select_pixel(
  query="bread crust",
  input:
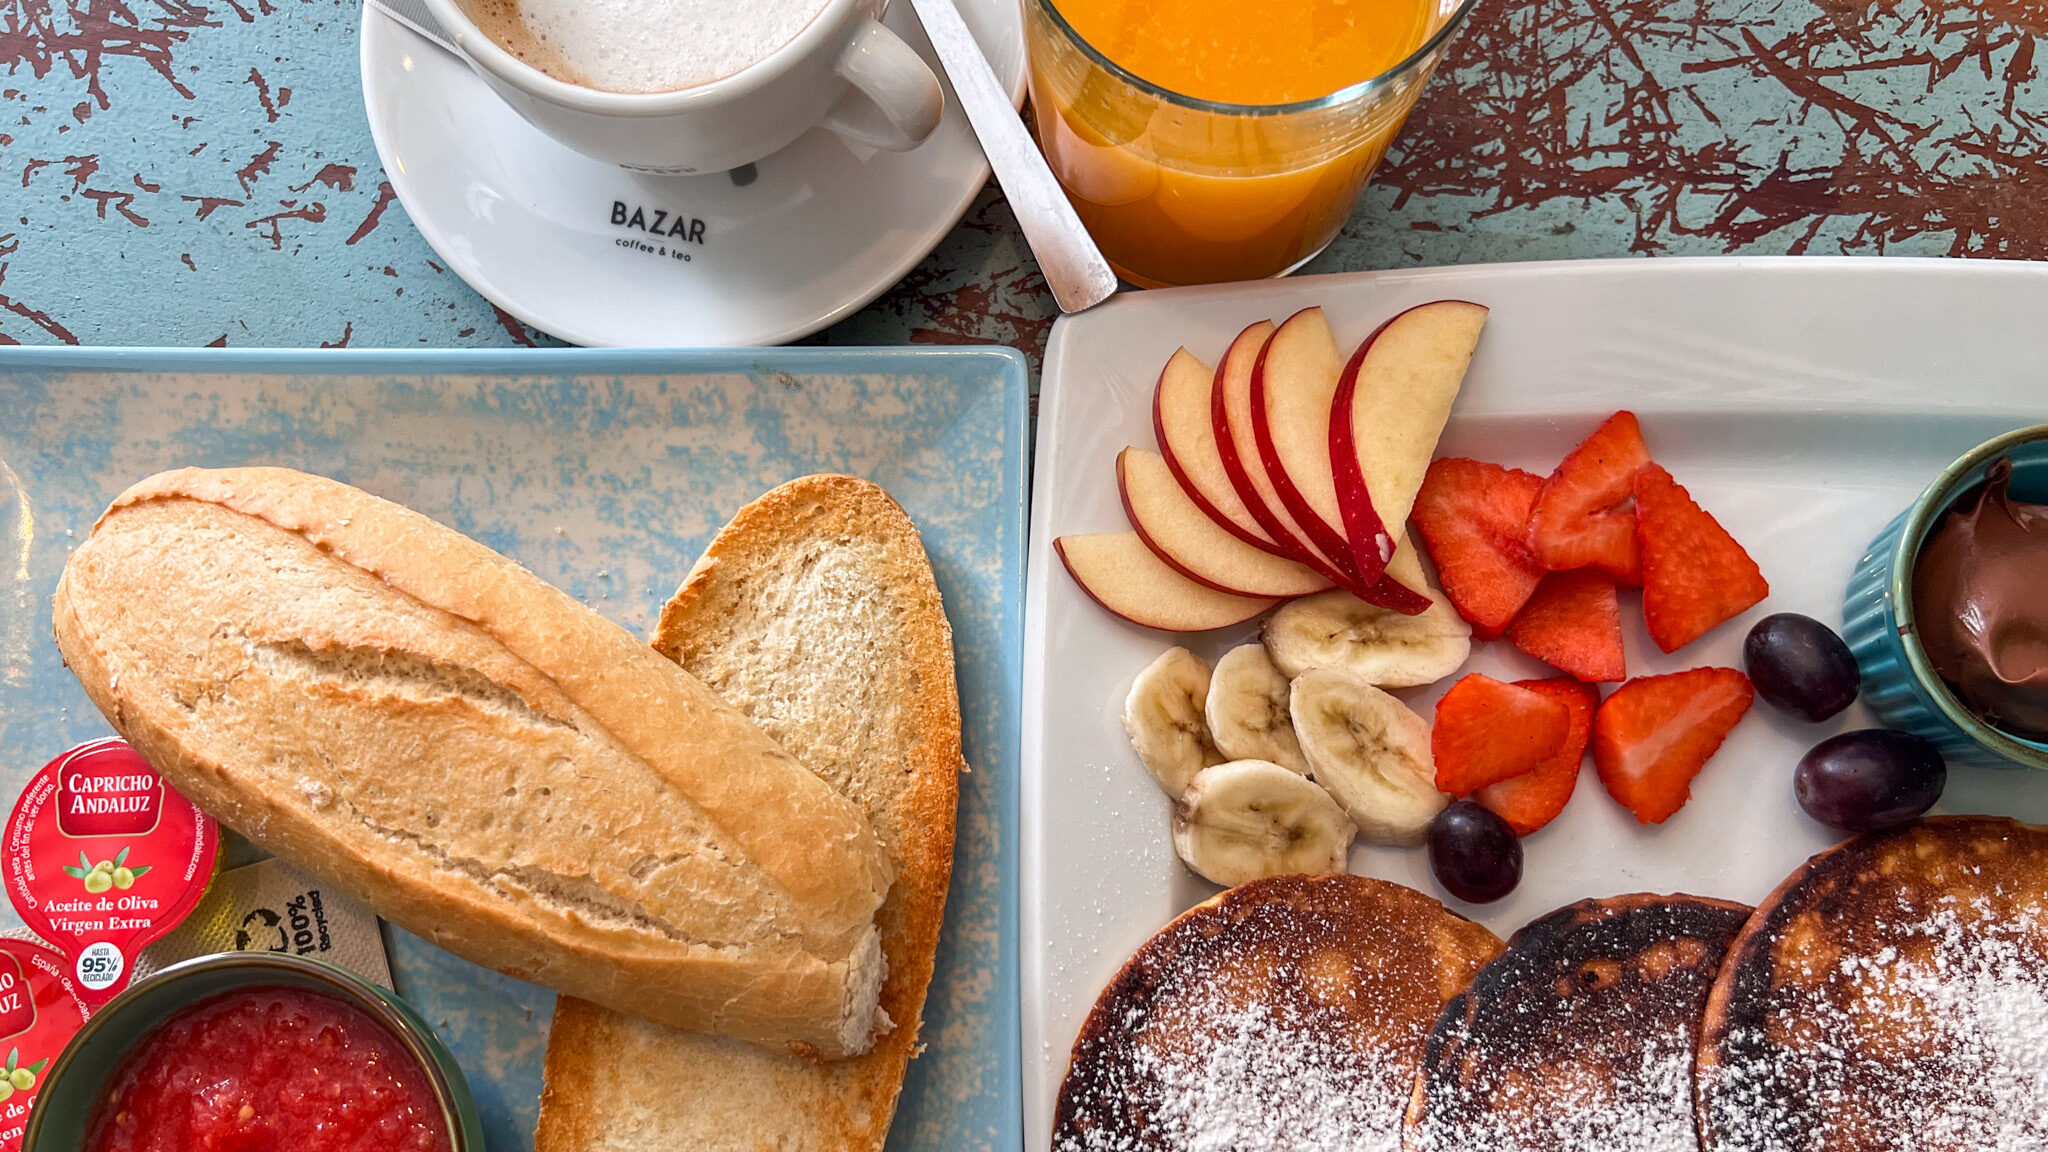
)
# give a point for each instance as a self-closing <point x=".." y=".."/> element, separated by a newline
<point x="763" y="931"/>
<point x="617" y="1083"/>
<point x="923" y="854"/>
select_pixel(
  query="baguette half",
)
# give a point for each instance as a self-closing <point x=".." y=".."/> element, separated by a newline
<point x="815" y="612"/>
<point x="400" y="710"/>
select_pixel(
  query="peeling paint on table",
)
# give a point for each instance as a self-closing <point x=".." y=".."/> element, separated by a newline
<point x="198" y="171"/>
<point x="1566" y="128"/>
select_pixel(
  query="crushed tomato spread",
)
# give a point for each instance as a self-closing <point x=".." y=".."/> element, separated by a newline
<point x="269" y="1070"/>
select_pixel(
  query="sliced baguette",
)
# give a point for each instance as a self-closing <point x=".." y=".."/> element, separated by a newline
<point x="400" y="710"/>
<point x="815" y="612"/>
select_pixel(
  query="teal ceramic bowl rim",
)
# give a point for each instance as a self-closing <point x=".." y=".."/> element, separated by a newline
<point x="1931" y="505"/>
<point x="257" y="969"/>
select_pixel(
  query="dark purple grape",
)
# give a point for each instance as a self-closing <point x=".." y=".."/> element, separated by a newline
<point x="1474" y="853"/>
<point x="1799" y="665"/>
<point x="1871" y="778"/>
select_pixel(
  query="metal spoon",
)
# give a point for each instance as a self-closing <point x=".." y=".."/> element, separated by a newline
<point x="1073" y="266"/>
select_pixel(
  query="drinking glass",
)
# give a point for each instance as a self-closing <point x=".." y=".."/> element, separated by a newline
<point x="1178" y="190"/>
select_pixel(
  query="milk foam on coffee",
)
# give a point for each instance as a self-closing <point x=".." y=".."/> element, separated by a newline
<point x="642" y="45"/>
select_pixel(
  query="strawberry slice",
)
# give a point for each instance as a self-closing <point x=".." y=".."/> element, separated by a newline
<point x="1695" y="576"/>
<point x="1655" y="733"/>
<point x="1582" y="518"/>
<point x="1533" y="799"/>
<point x="1573" y="623"/>
<point x="1472" y="517"/>
<point x="1487" y="731"/>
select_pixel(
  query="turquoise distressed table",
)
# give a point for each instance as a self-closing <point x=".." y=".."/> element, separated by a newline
<point x="191" y="172"/>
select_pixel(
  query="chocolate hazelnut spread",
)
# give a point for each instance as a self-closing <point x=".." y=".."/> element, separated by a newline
<point x="1980" y="599"/>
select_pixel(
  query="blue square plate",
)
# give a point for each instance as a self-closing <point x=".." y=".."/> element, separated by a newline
<point x="606" y="473"/>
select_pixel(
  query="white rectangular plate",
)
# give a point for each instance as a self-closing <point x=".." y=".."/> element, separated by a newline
<point x="1804" y="402"/>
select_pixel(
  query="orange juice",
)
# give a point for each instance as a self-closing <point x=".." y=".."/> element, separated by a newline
<point x="1218" y="142"/>
<point x="1245" y="52"/>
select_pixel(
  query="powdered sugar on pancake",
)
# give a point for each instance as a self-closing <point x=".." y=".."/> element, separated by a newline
<point x="1570" y="1106"/>
<point x="1286" y="1014"/>
<point x="1218" y="1077"/>
<point x="663" y="45"/>
<point x="1580" y="1035"/>
<point x="1258" y="1084"/>
<point x="1935" y="1041"/>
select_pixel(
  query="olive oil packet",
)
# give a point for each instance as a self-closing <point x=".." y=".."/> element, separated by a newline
<point x="101" y="858"/>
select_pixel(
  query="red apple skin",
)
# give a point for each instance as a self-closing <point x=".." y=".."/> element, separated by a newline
<point x="1371" y="544"/>
<point x="1386" y="593"/>
<point x="1394" y="596"/>
<point x="1180" y="476"/>
<point x="1059" y="548"/>
<point x="1326" y="539"/>
<point x="1233" y="465"/>
<point x="1345" y="462"/>
<point x="1166" y="557"/>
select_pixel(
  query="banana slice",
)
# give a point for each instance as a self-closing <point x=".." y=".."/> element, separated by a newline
<point x="1385" y="649"/>
<point x="1163" y="715"/>
<point x="1247" y="710"/>
<point x="1372" y="753"/>
<point x="1250" y="819"/>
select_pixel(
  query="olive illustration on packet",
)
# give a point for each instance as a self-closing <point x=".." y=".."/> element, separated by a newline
<point x="106" y="874"/>
<point x="17" y="1078"/>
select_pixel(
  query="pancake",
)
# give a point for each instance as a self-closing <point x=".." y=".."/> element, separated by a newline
<point x="1284" y="1014"/>
<point x="1891" y="995"/>
<point x="1580" y="1034"/>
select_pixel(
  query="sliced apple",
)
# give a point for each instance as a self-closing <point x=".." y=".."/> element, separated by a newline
<point x="1364" y="530"/>
<point x="1406" y="567"/>
<point x="1120" y="573"/>
<point x="1192" y="544"/>
<point x="1182" y="420"/>
<point x="1230" y="411"/>
<point x="1389" y="411"/>
<point x="1293" y="381"/>
<point x="1238" y="445"/>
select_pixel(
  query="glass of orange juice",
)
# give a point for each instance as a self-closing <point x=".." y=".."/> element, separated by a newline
<point x="1209" y="140"/>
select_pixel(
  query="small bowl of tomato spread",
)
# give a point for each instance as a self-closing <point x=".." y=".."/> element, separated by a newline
<point x="254" y="1052"/>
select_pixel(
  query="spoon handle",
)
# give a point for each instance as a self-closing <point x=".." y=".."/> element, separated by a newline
<point x="1073" y="266"/>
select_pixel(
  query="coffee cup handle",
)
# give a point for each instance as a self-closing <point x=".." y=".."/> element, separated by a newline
<point x="895" y="102"/>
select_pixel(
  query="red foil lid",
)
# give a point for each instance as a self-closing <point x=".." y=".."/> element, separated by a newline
<point x="40" y="1010"/>
<point x="102" y="857"/>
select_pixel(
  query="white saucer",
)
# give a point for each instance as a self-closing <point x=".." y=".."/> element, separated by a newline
<point x="531" y="225"/>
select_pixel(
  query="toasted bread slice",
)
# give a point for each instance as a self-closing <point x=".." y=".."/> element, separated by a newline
<point x="1580" y="1035"/>
<point x="1892" y="995"/>
<point x="1283" y="1014"/>
<point x="815" y="612"/>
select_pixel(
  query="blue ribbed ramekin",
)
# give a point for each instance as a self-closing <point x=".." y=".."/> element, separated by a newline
<point x="1899" y="683"/>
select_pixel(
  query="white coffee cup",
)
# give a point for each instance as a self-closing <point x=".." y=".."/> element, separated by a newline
<point x="844" y="71"/>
